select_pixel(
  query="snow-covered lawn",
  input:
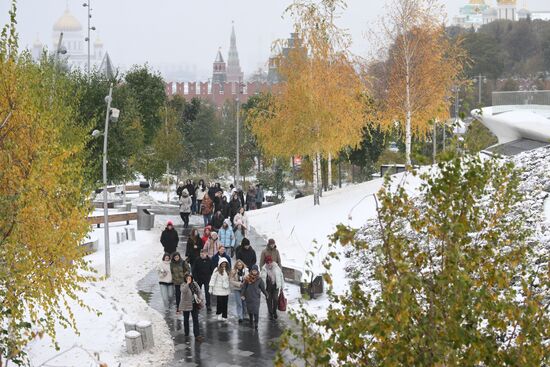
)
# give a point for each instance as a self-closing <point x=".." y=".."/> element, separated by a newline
<point x="298" y="227"/>
<point x="116" y="298"/>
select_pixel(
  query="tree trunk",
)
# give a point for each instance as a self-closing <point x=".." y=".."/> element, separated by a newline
<point x="293" y="173"/>
<point x="167" y="182"/>
<point x="340" y="173"/>
<point x="320" y="175"/>
<point x="435" y="141"/>
<point x="408" y="139"/>
<point x="316" y="180"/>
<point x="329" y="167"/>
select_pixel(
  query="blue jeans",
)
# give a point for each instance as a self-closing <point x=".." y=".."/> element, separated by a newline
<point x="207" y="219"/>
<point x="166" y="292"/>
<point x="241" y="305"/>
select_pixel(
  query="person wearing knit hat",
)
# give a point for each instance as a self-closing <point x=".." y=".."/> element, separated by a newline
<point x="251" y="292"/>
<point x="246" y="253"/>
<point x="272" y="275"/>
<point x="271" y="250"/>
<point x="169" y="238"/>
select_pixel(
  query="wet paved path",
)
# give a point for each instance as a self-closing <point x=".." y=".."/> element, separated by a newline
<point x="226" y="344"/>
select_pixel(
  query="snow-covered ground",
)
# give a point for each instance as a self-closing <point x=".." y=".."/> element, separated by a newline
<point x="298" y="227"/>
<point x="116" y="298"/>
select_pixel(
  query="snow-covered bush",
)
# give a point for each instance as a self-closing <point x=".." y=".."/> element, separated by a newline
<point x="454" y="276"/>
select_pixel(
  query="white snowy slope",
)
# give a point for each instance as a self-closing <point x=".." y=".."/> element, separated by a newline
<point x="116" y="298"/>
<point x="299" y="227"/>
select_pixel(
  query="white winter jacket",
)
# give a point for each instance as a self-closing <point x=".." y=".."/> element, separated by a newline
<point x="164" y="272"/>
<point x="199" y="194"/>
<point x="185" y="204"/>
<point x="219" y="284"/>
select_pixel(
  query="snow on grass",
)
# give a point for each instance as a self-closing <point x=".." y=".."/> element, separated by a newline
<point x="298" y="227"/>
<point x="116" y="298"/>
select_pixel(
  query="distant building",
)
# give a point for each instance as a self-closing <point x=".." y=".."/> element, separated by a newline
<point x="477" y="13"/>
<point x="234" y="72"/>
<point x="74" y="42"/>
<point x="226" y="83"/>
<point x="273" y="75"/>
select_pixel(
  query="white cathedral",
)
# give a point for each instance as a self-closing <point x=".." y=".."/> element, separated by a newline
<point x="74" y="40"/>
<point x="477" y="13"/>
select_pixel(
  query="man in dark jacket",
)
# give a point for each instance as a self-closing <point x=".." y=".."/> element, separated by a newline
<point x="169" y="238"/>
<point x="216" y="258"/>
<point x="246" y="253"/>
<point x="202" y="271"/>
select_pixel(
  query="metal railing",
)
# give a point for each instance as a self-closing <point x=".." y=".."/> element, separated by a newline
<point x="521" y="100"/>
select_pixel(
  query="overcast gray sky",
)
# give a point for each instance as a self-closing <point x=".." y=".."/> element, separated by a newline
<point x="189" y="32"/>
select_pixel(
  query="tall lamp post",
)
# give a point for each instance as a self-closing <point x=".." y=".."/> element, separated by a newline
<point x="90" y="28"/>
<point x="111" y="114"/>
<point x="480" y="79"/>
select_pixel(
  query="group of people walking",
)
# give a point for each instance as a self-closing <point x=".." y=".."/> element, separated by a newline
<point x="219" y="263"/>
<point x="215" y="204"/>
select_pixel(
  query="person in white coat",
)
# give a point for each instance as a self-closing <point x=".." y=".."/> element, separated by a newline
<point x="220" y="287"/>
<point x="272" y="275"/>
<point x="165" y="280"/>
<point x="185" y="207"/>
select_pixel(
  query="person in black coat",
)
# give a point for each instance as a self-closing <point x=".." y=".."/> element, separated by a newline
<point x="225" y="207"/>
<point x="246" y="253"/>
<point x="202" y="271"/>
<point x="240" y="194"/>
<point x="234" y="205"/>
<point x="169" y="238"/>
<point x="194" y="246"/>
<point x="217" y="221"/>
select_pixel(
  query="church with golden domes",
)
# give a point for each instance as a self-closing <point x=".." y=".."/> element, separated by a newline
<point x="478" y="12"/>
<point x="74" y="40"/>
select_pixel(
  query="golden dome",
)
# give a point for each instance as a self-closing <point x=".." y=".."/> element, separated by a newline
<point x="506" y="2"/>
<point x="477" y="2"/>
<point x="98" y="42"/>
<point x="67" y="23"/>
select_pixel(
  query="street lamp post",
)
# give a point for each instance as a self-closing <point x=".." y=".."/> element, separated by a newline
<point x="480" y="79"/>
<point x="105" y="204"/>
<point x="90" y="28"/>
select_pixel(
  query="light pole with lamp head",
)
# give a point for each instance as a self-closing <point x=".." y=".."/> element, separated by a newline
<point x="111" y="114"/>
<point x="92" y="28"/>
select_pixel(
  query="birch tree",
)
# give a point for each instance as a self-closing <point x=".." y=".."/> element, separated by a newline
<point x="318" y="108"/>
<point x="421" y="66"/>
